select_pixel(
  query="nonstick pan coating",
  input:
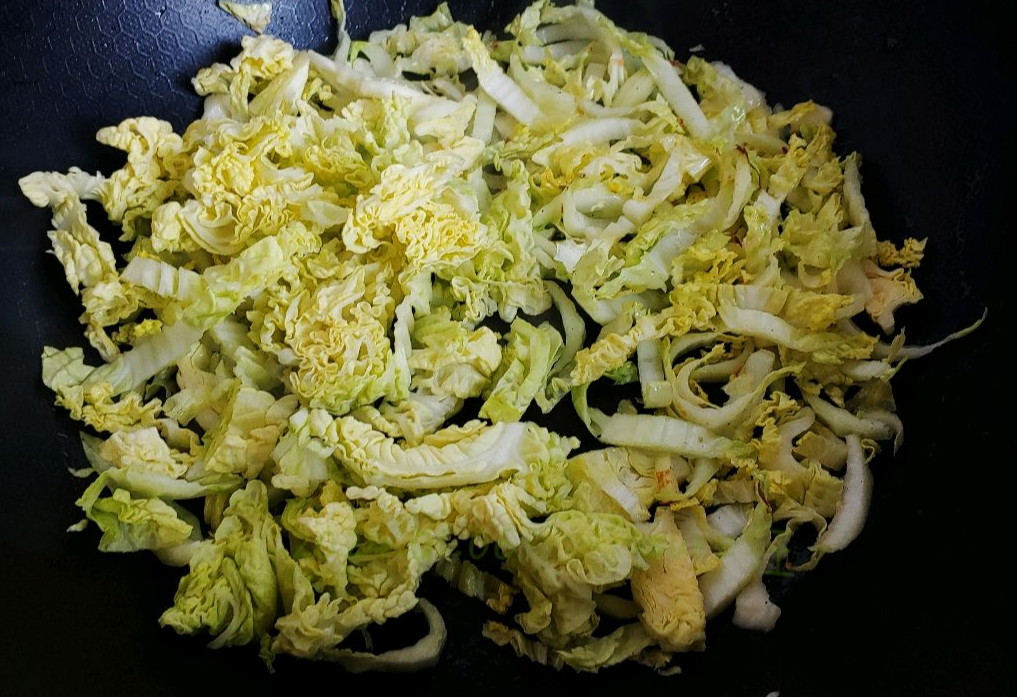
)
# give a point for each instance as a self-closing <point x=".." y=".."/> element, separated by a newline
<point x="911" y="608"/>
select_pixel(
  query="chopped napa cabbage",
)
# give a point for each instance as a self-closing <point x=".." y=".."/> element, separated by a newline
<point x="130" y="523"/>
<point x="346" y="286"/>
<point x="738" y="565"/>
<point x="256" y="16"/>
<point x="668" y="593"/>
<point x="524" y="370"/>
<point x="572" y="555"/>
<point x="453" y="457"/>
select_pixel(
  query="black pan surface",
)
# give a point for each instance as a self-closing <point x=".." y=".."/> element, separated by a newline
<point x="913" y="607"/>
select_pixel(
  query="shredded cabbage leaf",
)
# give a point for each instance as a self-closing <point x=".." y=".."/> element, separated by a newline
<point x="354" y="287"/>
<point x="256" y="16"/>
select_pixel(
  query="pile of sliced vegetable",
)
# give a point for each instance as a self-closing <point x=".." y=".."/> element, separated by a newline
<point x="355" y="284"/>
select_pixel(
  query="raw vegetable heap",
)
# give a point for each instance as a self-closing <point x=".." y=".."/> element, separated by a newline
<point x="345" y="252"/>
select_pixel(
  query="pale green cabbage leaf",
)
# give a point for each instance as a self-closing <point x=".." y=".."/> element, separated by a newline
<point x="347" y="286"/>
